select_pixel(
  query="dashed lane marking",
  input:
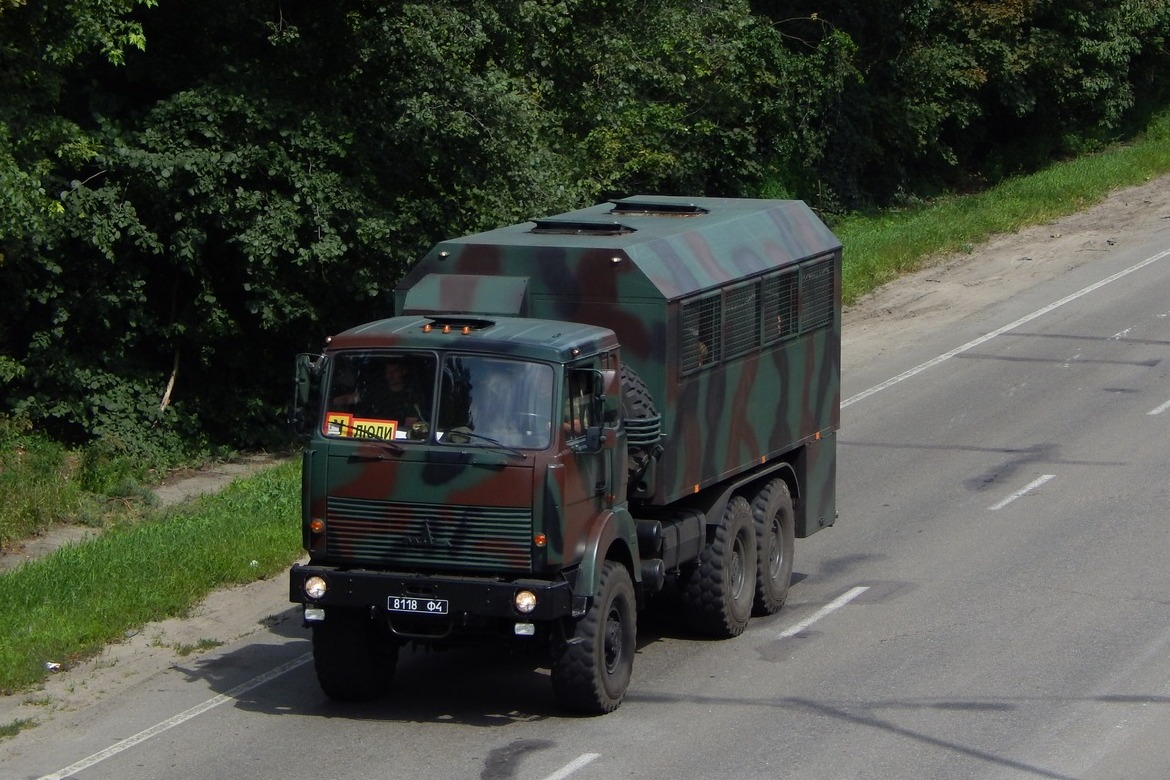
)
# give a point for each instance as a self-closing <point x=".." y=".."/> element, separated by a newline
<point x="1026" y="489"/>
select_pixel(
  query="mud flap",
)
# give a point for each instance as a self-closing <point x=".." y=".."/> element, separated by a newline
<point x="816" y="473"/>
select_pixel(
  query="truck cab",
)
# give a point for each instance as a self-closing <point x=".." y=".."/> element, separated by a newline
<point x="457" y="475"/>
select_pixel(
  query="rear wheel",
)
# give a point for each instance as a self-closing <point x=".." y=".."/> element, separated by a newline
<point x="353" y="657"/>
<point x="591" y="669"/>
<point x="720" y="590"/>
<point x="775" y="524"/>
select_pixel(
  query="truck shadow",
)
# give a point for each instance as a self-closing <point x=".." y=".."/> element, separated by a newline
<point x="477" y="686"/>
<point x="473" y="686"/>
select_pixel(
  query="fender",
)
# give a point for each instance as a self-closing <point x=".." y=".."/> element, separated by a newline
<point x="713" y="502"/>
<point x="612" y="535"/>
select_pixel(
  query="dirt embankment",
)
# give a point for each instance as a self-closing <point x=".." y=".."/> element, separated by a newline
<point x="176" y="489"/>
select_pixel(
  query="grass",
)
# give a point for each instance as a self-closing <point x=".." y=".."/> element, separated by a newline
<point x="38" y="485"/>
<point x="879" y="248"/>
<point x="200" y="646"/>
<point x="68" y="605"/>
<point x="16" y="726"/>
<point x="44" y="483"/>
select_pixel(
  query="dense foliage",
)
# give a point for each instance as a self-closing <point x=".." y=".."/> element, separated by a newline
<point x="192" y="192"/>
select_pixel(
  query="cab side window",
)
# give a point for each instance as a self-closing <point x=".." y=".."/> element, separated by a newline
<point x="579" y="406"/>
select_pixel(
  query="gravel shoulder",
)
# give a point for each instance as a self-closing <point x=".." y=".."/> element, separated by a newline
<point x="958" y="286"/>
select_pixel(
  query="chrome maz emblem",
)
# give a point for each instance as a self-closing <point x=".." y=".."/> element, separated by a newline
<point x="424" y="539"/>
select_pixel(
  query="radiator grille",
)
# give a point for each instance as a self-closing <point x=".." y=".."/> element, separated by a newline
<point x="433" y="537"/>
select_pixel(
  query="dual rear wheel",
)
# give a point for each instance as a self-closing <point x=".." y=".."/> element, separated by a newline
<point x="746" y="567"/>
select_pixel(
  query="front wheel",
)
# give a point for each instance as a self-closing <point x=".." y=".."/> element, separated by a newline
<point x="591" y="669"/>
<point x="354" y="659"/>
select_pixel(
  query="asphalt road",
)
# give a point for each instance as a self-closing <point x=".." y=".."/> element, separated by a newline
<point x="994" y="601"/>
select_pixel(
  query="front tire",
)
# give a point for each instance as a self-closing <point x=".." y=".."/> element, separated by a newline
<point x="720" y="590"/>
<point x="775" y="524"/>
<point x="353" y="657"/>
<point x="591" y="669"/>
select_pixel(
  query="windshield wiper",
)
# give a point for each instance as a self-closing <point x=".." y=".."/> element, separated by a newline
<point x="389" y="444"/>
<point x="488" y="439"/>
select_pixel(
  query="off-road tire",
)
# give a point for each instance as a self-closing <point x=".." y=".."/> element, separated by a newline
<point x="353" y="658"/>
<point x="719" y="591"/>
<point x="591" y="668"/>
<point x="636" y="401"/>
<point x="638" y="405"/>
<point x="775" y="523"/>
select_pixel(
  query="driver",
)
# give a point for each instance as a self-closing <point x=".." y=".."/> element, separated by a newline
<point x="390" y="395"/>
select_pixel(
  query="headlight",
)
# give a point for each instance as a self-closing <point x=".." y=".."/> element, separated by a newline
<point x="525" y="602"/>
<point x="315" y="587"/>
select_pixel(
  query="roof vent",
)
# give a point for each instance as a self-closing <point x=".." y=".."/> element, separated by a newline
<point x="563" y="227"/>
<point x="645" y="208"/>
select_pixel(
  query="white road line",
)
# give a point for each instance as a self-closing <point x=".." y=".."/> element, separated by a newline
<point x="573" y="766"/>
<point x="791" y="631"/>
<point x="1000" y="331"/>
<point x="182" y="717"/>
<point x="1022" y="491"/>
<point x="1159" y="410"/>
<point x="824" y="611"/>
<point x="564" y="772"/>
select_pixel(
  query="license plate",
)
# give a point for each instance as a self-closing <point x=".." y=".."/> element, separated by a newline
<point x="417" y="605"/>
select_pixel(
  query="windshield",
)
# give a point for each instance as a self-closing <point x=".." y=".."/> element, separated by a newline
<point x="482" y="401"/>
<point x="508" y="402"/>
<point x="383" y="395"/>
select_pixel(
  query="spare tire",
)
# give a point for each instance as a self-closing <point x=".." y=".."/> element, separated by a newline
<point x="643" y="427"/>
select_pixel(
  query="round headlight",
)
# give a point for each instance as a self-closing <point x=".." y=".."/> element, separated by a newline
<point x="315" y="587"/>
<point x="525" y="601"/>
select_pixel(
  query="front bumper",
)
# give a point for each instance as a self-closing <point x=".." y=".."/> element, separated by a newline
<point x="479" y="597"/>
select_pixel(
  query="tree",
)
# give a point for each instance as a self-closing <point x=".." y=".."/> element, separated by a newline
<point x="179" y="219"/>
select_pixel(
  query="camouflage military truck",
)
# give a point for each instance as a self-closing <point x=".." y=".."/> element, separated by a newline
<point x="566" y="418"/>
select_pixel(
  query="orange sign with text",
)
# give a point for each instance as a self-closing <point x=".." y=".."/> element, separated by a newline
<point x="345" y="424"/>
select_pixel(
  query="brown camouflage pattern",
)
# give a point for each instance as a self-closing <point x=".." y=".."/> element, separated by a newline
<point x="467" y="509"/>
<point x="719" y="422"/>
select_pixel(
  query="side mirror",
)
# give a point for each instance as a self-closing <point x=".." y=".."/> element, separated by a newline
<point x="306" y="391"/>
